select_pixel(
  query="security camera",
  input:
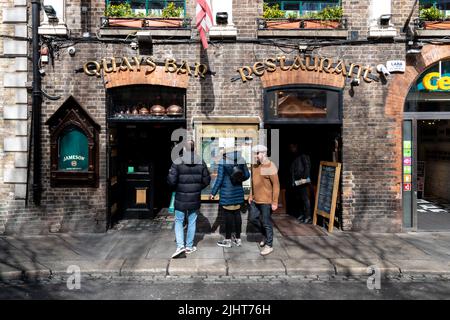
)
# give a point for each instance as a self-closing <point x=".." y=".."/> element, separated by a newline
<point x="355" y="82"/>
<point x="381" y="68"/>
<point x="134" y="45"/>
<point x="71" y="50"/>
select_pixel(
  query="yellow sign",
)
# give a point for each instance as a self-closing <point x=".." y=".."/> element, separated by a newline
<point x="434" y="82"/>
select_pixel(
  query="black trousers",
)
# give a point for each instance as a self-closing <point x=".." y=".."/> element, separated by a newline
<point x="233" y="223"/>
<point x="297" y="201"/>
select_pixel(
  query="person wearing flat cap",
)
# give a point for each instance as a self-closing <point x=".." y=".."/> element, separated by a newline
<point x="263" y="199"/>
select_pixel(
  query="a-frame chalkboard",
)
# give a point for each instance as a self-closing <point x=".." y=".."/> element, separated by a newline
<point x="327" y="191"/>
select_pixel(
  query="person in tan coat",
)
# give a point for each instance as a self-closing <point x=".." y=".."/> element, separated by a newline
<point x="263" y="199"/>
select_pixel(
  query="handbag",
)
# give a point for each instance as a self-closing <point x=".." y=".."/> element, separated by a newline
<point x="172" y="204"/>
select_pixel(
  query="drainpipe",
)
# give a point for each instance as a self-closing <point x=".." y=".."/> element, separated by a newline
<point x="36" y="104"/>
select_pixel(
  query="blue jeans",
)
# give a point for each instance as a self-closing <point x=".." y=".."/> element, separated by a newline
<point x="259" y="215"/>
<point x="179" y="230"/>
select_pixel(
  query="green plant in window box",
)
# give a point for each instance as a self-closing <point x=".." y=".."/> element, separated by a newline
<point x="327" y="18"/>
<point x="434" y="19"/>
<point x="121" y="11"/>
<point x="172" y="11"/>
<point x="272" y="12"/>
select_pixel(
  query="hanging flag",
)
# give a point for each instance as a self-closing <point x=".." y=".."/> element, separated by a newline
<point x="204" y="19"/>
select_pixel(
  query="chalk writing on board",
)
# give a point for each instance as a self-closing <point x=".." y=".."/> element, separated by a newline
<point x="326" y="188"/>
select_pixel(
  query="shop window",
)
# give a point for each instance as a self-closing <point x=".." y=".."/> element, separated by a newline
<point x="149" y="7"/>
<point x="214" y="139"/>
<point x="303" y="8"/>
<point x="74" y="147"/>
<point x="293" y="104"/>
<point x="431" y="92"/>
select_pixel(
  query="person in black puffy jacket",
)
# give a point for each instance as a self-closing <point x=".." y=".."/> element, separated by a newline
<point x="188" y="176"/>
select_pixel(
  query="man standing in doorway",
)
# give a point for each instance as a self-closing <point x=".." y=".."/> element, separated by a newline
<point x="188" y="175"/>
<point x="299" y="180"/>
<point x="263" y="199"/>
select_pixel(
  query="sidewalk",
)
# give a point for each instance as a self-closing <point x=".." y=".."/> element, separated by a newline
<point x="147" y="253"/>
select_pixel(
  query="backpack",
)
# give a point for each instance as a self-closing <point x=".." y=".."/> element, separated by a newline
<point x="237" y="173"/>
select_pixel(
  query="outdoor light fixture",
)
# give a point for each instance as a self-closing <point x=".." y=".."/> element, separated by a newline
<point x="51" y="14"/>
<point x="222" y="17"/>
<point x="384" y="19"/>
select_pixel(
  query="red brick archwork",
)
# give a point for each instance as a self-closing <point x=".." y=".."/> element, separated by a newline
<point x="158" y="77"/>
<point x="281" y="78"/>
<point x="398" y="91"/>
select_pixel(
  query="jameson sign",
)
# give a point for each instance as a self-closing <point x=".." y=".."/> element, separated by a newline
<point x="73" y="152"/>
<point x="147" y="64"/>
<point x="310" y="64"/>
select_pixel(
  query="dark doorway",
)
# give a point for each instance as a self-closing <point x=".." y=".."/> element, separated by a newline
<point x="321" y="142"/>
<point x="433" y="175"/>
<point x="141" y="156"/>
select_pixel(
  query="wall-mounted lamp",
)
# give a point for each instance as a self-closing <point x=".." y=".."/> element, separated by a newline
<point x="222" y="17"/>
<point x="51" y="14"/>
<point x="384" y="19"/>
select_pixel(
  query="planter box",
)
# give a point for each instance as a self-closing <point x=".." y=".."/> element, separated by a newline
<point x="164" y="23"/>
<point x="302" y="24"/>
<point x="437" y="25"/>
<point x="129" y="23"/>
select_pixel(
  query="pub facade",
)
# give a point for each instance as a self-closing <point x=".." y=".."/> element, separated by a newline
<point x="366" y="88"/>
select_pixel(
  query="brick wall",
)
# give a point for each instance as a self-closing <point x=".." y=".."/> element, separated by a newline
<point x="370" y="135"/>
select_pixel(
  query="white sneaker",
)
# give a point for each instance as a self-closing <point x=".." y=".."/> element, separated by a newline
<point x="178" y="253"/>
<point x="237" y="242"/>
<point x="226" y="243"/>
<point x="266" y="250"/>
<point x="191" y="250"/>
<point x="262" y="243"/>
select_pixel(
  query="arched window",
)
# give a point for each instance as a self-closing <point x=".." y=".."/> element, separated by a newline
<point x="431" y="92"/>
<point x="74" y="147"/>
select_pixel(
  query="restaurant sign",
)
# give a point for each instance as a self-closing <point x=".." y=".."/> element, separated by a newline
<point x="146" y="64"/>
<point x="308" y="63"/>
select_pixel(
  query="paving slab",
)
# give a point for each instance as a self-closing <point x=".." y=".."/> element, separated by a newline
<point x="28" y="270"/>
<point x="252" y="251"/>
<point x="357" y="267"/>
<point x="91" y="245"/>
<point x="433" y="246"/>
<point x="242" y="267"/>
<point x="419" y="267"/>
<point x="144" y="267"/>
<point x="112" y="266"/>
<point x="132" y="246"/>
<point x="308" y="267"/>
<point x="199" y="267"/>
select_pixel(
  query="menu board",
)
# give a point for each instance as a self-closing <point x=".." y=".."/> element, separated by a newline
<point x="327" y="190"/>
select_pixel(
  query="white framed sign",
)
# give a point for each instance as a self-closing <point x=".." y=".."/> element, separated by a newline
<point x="396" y="65"/>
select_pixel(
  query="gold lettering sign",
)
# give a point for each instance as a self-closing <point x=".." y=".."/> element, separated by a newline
<point x="147" y="64"/>
<point x="309" y="64"/>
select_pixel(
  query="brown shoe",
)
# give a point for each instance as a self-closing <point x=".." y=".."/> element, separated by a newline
<point x="266" y="250"/>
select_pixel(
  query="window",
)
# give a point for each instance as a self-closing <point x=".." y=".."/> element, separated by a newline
<point x="293" y="104"/>
<point x="431" y="93"/>
<point x="222" y="6"/>
<point x="74" y="147"/>
<point x="443" y="5"/>
<point x="304" y="7"/>
<point x="149" y="7"/>
<point x="214" y="139"/>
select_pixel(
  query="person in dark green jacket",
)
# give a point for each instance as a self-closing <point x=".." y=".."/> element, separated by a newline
<point x="231" y="196"/>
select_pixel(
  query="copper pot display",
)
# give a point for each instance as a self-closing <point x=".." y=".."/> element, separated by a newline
<point x="174" y="110"/>
<point x="157" y="110"/>
<point x="143" y="111"/>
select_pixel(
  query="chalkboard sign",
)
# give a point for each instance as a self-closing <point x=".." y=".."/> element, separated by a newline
<point x="327" y="190"/>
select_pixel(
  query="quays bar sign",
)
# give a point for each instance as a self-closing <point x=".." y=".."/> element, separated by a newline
<point x="147" y="64"/>
<point x="309" y="64"/>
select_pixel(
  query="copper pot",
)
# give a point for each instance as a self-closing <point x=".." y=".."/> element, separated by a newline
<point x="157" y="110"/>
<point x="143" y="111"/>
<point x="135" y="111"/>
<point x="174" y="110"/>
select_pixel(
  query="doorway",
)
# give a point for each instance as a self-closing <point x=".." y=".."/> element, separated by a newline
<point x="139" y="161"/>
<point x="428" y="199"/>
<point x="320" y="142"/>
